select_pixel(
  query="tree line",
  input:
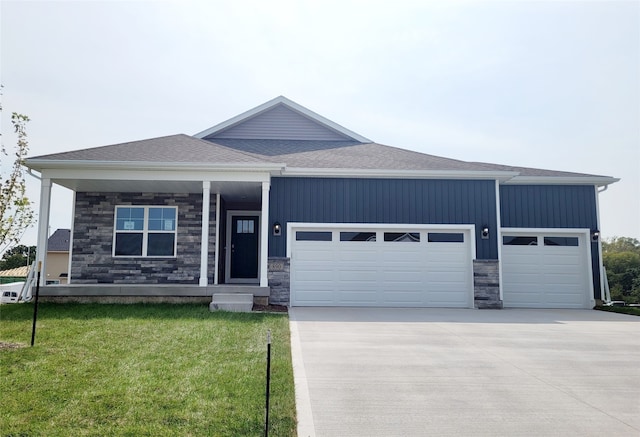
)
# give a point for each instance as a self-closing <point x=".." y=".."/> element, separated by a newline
<point x="621" y="258"/>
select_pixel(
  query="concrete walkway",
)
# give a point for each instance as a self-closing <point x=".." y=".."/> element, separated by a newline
<point x="447" y="372"/>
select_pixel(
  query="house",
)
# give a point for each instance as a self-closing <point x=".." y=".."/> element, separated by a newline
<point x="13" y="275"/>
<point x="289" y="206"/>
<point x="57" y="263"/>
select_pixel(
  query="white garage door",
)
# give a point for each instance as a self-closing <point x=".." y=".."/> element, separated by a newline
<point x="362" y="266"/>
<point x="546" y="270"/>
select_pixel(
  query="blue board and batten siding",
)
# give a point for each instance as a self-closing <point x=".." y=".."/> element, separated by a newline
<point x="552" y="206"/>
<point x="410" y="201"/>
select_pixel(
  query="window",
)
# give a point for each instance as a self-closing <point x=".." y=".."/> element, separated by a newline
<point x="445" y="237"/>
<point x="313" y="236"/>
<point x="145" y="231"/>
<point x="357" y="236"/>
<point x="245" y="227"/>
<point x="403" y="237"/>
<point x="560" y="241"/>
<point x="520" y="241"/>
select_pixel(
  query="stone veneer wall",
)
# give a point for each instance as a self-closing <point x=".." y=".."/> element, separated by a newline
<point x="486" y="284"/>
<point x="279" y="280"/>
<point x="92" y="260"/>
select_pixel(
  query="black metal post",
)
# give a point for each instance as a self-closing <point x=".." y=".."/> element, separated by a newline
<point x="35" y="306"/>
<point x="266" y="420"/>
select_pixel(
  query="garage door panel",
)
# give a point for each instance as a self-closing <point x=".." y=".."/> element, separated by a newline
<point x="546" y="276"/>
<point x="317" y="254"/>
<point x="315" y="276"/>
<point x="386" y="273"/>
<point x="444" y="296"/>
<point x="357" y="256"/>
<point x="398" y="276"/>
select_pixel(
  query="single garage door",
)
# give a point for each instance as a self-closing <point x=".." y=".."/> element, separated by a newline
<point x="546" y="270"/>
<point x="363" y="266"/>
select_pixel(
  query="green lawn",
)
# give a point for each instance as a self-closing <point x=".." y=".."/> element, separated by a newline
<point x="142" y="370"/>
<point x="634" y="311"/>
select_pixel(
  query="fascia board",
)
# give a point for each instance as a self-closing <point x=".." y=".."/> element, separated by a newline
<point x="291" y="105"/>
<point x="562" y="180"/>
<point x="407" y="174"/>
<point x="156" y="175"/>
<point x="42" y="164"/>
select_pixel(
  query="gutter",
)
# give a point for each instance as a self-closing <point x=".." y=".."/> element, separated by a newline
<point x="39" y="164"/>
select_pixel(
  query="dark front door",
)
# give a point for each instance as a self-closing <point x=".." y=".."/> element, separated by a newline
<point x="244" y="247"/>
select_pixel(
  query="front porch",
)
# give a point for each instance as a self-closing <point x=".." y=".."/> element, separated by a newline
<point x="147" y="293"/>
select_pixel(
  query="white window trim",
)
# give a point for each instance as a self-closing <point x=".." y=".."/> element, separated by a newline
<point x="145" y="232"/>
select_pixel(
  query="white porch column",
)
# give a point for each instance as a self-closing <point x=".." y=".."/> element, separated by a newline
<point x="216" y="280"/>
<point x="264" y="235"/>
<point x="204" y="241"/>
<point x="43" y="227"/>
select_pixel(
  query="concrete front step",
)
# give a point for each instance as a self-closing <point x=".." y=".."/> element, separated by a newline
<point x="236" y="302"/>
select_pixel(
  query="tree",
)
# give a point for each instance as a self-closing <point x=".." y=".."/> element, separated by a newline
<point x="621" y="258"/>
<point x="16" y="214"/>
<point x="18" y="256"/>
<point x="621" y="244"/>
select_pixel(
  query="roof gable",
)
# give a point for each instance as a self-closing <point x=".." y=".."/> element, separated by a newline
<point x="281" y="119"/>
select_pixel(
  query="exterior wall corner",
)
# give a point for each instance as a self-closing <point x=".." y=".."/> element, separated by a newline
<point x="486" y="284"/>
<point x="279" y="276"/>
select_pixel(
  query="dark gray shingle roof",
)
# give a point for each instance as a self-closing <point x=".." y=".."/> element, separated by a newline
<point x="59" y="241"/>
<point x="174" y="148"/>
<point x="316" y="154"/>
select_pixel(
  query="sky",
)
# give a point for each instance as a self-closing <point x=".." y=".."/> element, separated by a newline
<point x="544" y="84"/>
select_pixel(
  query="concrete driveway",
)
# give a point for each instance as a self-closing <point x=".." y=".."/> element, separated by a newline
<point x="448" y="372"/>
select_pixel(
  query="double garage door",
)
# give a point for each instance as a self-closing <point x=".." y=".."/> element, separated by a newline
<point x="384" y="266"/>
<point x="543" y="269"/>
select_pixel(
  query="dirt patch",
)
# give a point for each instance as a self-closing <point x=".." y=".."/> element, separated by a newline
<point x="5" y="346"/>
<point x="270" y="308"/>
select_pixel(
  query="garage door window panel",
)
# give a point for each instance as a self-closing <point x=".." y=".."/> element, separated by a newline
<point x="358" y="236"/>
<point x="445" y="237"/>
<point x="561" y="241"/>
<point x="313" y="236"/>
<point x="402" y="237"/>
<point x="520" y="241"/>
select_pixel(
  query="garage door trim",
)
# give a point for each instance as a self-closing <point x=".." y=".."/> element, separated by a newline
<point x="466" y="229"/>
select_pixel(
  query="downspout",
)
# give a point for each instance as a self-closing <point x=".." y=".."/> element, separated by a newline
<point x="499" y="238"/>
<point x="603" y="296"/>
<point x="34" y="175"/>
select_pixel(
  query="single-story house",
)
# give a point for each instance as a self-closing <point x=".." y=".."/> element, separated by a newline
<point x="289" y="206"/>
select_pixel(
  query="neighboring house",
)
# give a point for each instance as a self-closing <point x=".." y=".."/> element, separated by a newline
<point x="57" y="264"/>
<point x="14" y="275"/>
<point x="282" y="202"/>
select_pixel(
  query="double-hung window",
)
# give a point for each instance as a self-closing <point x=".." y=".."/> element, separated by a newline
<point x="147" y="231"/>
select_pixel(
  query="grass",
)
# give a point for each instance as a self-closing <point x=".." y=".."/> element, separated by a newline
<point x="634" y="311"/>
<point x="142" y="370"/>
